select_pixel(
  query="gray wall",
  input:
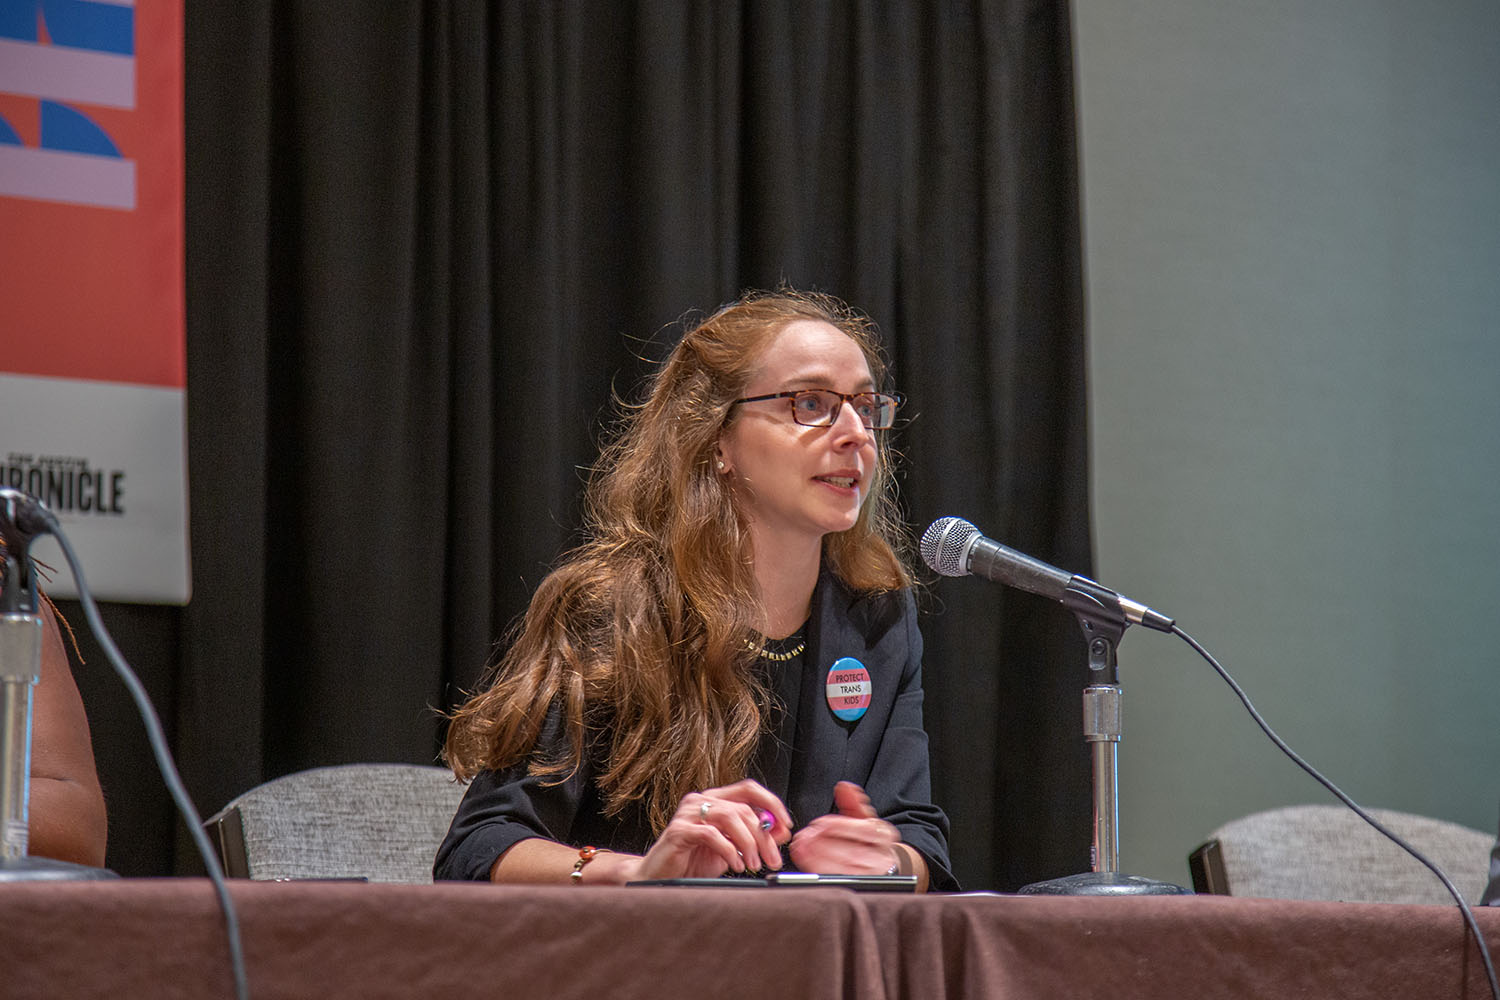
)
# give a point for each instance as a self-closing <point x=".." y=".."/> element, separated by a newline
<point x="1292" y="231"/>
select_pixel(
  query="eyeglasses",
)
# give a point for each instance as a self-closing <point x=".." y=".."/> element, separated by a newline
<point x="820" y="407"/>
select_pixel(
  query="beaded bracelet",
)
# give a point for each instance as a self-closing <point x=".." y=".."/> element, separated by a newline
<point x="585" y="855"/>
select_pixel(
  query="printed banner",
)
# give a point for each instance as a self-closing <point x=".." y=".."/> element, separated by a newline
<point x="92" y="316"/>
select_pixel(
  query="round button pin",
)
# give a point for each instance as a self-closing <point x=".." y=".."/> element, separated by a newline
<point x="848" y="688"/>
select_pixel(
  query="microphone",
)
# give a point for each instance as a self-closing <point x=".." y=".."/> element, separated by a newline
<point x="954" y="547"/>
<point x="22" y="518"/>
<point x="22" y="515"/>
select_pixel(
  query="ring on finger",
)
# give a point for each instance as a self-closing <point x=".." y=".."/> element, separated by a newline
<point x="703" y="810"/>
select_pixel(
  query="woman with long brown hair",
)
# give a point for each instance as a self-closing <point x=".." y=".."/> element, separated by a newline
<point x="735" y="644"/>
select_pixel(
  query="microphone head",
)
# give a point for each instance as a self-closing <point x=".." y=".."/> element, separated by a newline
<point x="945" y="545"/>
<point x="22" y="514"/>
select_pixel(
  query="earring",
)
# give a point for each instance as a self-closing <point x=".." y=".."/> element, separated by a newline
<point x="721" y="465"/>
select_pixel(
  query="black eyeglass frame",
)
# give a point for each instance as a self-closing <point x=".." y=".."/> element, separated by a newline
<point x="833" y="413"/>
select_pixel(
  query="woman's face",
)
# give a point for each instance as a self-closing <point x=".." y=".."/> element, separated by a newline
<point x="800" y="483"/>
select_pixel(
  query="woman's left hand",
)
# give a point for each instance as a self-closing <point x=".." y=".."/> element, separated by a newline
<point x="852" y="841"/>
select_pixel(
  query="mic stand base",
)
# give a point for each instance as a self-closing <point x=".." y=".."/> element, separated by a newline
<point x="1103" y="884"/>
<point x="30" y="869"/>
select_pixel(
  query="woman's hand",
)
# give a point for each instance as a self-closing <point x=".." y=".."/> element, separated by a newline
<point x="852" y="841"/>
<point x="716" y="831"/>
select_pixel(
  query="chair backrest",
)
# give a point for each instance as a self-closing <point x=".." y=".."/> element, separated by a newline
<point x="1327" y="852"/>
<point x="381" y="822"/>
<point x="1492" y="894"/>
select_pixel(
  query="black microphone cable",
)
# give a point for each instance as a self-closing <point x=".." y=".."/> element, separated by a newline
<point x="159" y="748"/>
<point x="948" y="547"/>
<point x="1468" y="914"/>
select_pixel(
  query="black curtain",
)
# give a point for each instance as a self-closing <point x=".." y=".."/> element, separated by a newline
<point x="428" y="240"/>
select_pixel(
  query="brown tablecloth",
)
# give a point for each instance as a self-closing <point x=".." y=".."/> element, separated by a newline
<point x="165" y="939"/>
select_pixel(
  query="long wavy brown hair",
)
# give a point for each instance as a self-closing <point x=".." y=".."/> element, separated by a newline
<point x="643" y="636"/>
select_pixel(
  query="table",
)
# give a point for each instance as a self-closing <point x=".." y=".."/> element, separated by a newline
<point x="164" y="938"/>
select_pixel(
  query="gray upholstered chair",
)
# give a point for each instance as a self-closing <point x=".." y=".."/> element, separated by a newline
<point x="381" y="822"/>
<point x="1327" y="852"/>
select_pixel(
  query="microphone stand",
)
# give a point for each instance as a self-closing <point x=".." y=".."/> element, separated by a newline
<point x="1104" y="623"/>
<point x="20" y="671"/>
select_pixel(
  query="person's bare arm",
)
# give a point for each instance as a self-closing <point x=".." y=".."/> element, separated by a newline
<point x="66" y="810"/>
<point x="542" y="862"/>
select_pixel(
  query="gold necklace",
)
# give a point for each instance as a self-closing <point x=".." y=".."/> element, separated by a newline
<point x="790" y="654"/>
